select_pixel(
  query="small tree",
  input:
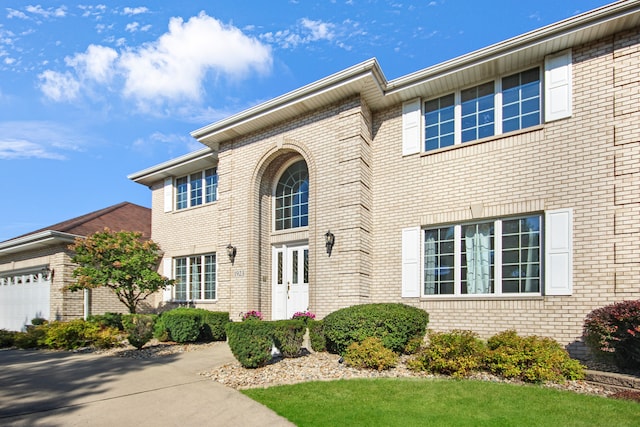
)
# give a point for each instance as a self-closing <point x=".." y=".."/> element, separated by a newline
<point x="121" y="261"/>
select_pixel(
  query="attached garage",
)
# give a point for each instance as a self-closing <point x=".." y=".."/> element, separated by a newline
<point x="24" y="295"/>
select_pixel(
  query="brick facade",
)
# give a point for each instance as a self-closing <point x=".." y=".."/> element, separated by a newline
<point x="365" y="191"/>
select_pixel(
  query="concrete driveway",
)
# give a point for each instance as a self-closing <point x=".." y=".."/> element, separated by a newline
<point x="39" y="388"/>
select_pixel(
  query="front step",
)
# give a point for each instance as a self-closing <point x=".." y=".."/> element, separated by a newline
<point x="612" y="381"/>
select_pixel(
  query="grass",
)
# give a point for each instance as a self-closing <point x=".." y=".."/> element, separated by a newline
<point x="421" y="402"/>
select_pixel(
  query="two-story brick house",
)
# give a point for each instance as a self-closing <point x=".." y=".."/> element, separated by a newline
<point x="497" y="190"/>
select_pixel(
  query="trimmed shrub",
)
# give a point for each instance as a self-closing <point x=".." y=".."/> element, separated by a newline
<point x="531" y="359"/>
<point x="613" y="333"/>
<point x="414" y="345"/>
<point x="316" y="335"/>
<point x="107" y="320"/>
<point x="213" y="325"/>
<point x="456" y="353"/>
<point x="370" y="354"/>
<point x="183" y="324"/>
<point x="395" y="324"/>
<point x="191" y="324"/>
<point x="288" y="336"/>
<point x="251" y="342"/>
<point x="139" y="328"/>
<point x="160" y="331"/>
<point x="33" y="338"/>
<point x="7" y="338"/>
<point x="107" y="338"/>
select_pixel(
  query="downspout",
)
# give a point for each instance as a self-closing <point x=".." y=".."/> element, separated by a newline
<point x="86" y="304"/>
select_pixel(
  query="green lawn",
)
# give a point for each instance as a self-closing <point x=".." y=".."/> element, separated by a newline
<point x="429" y="402"/>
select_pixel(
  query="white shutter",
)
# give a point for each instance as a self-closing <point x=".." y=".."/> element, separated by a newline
<point x="168" y="194"/>
<point x="410" y="262"/>
<point x="167" y="272"/>
<point x="557" y="83"/>
<point x="411" y="120"/>
<point x="559" y="252"/>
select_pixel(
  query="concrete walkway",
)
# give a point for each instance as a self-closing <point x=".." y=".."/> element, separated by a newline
<point x="39" y="388"/>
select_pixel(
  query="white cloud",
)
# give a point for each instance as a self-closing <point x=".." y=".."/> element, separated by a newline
<point x="306" y="31"/>
<point x="132" y="27"/>
<point x="21" y="149"/>
<point x="171" y="68"/>
<point x="51" y="12"/>
<point x="134" y="10"/>
<point x="16" y="14"/>
<point x="97" y="63"/>
<point x="38" y="139"/>
<point x="175" y="65"/>
<point x="59" y="86"/>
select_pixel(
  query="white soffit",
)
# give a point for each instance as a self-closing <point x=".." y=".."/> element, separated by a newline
<point x="201" y="159"/>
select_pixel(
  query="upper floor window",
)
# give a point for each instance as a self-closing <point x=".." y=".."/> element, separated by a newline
<point x="292" y="197"/>
<point x="197" y="188"/>
<point x="492" y="108"/>
<point x="195" y="278"/>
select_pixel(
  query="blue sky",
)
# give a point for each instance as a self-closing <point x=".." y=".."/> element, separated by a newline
<point x="92" y="92"/>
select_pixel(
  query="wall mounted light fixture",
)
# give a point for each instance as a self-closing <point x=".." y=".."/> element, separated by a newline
<point x="46" y="272"/>
<point x="329" y="240"/>
<point x="231" y="252"/>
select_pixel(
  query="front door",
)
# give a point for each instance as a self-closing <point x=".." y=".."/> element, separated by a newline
<point x="290" y="291"/>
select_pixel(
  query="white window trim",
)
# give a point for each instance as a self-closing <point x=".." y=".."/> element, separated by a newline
<point x="172" y="263"/>
<point x="497" y="277"/>
<point x="497" y="109"/>
<point x="174" y="191"/>
<point x="274" y="189"/>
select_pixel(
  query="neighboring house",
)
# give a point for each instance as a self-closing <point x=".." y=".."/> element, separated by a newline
<point x="498" y="190"/>
<point x="35" y="268"/>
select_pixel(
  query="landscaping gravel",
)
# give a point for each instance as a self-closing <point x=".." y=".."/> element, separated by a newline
<point x="309" y="367"/>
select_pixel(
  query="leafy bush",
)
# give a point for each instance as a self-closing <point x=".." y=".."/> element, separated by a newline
<point x="394" y="324"/>
<point x="613" y="332"/>
<point x="107" y="320"/>
<point x="107" y="338"/>
<point x="371" y="354"/>
<point x="414" y="345"/>
<point x="316" y="335"/>
<point x="456" y="353"/>
<point x="37" y="321"/>
<point x="160" y="331"/>
<point x="70" y="335"/>
<point x="191" y="324"/>
<point x="531" y="359"/>
<point x="7" y="338"/>
<point x="139" y="328"/>
<point x="183" y="324"/>
<point x="33" y="338"/>
<point x="303" y="315"/>
<point x="213" y="325"/>
<point x="251" y="342"/>
<point x="288" y="336"/>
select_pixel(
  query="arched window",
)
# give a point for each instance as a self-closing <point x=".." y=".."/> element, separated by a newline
<point x="292" y="197"/>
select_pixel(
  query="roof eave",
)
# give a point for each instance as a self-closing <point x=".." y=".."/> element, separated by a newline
<point x="36" y="241"/>
<point x="201" y="159"/>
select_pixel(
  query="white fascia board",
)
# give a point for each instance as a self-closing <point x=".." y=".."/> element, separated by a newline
<point x="190" y="162"/>
<point x="565" y="28"/>
<point x="34" y="241"/>
<point x="367" y="68"/>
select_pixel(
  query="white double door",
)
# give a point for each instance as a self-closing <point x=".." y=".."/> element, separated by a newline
<point x="290" y="282"/>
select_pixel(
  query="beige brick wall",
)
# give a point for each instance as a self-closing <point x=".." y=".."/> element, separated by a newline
<point x="365" y="191"/>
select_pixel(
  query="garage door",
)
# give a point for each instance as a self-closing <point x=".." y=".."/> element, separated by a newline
<point x="23" y="296"/>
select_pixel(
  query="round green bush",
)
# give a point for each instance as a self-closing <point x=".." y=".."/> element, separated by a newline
<point x="251" y="342"/>
<point x="613" y="332"/>
<point x="7" y="338"/>
<point x="395" y="325"/>
<point x="183" y="324"/>
<point x="316" y="335"/>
